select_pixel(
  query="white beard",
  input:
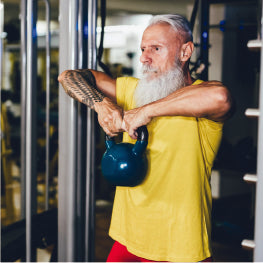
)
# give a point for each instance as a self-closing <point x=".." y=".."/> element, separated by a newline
<point x="149" y="90"/>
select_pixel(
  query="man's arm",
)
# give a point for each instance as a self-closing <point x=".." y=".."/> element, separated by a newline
<point x="88" y="81"/>
<point x="209" y="100"/>
<point x="98" y="92"/>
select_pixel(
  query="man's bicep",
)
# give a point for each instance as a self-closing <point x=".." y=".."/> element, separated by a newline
<point x="105" y="84"/>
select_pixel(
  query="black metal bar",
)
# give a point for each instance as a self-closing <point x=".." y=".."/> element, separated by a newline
<point x="259" y="19"/>
<point x="233" y="2"/>
<point x="81" y="139"/>
<point x="204" y="37"/>
<point x="194" y="13"/>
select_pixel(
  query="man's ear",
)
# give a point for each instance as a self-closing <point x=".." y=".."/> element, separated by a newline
<point x="186" y="51"/>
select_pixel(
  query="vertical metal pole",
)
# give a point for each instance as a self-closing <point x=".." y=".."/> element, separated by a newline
<point x="67" y="135"/>
<point x="80" y="34"/>
<point x="81" y="141"/>
<point x="205" y="37"/>
<point x="90" y="183"/>
<point x="29" y="132"/>
<point x="92" y="26"/>
<point x="1" y="61"/>
<point x="259" y="19"/>
<point x="47" y="99"/>
<point x="1" y="42"/>
<point x="31" y="126"/>
<point x="23" y="49"/>
<point x="258" y="252"/>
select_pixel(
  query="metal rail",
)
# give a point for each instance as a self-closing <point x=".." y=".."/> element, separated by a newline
<point x="23" y="55"/>
<point x="258" y="236"/>
<point x="90" y="181"/>
<point x="250" y="113"/>
<point x="68" y="48"/>
<point x="47" y="3"/>
<point x="204" y="52"/>
<point x="30" y="126"/>
<point x="1" y="42"/>
<point x="248" y="244"/>
<point x="250" y="178"/>
<point x="254" y="44"/>
<point x="1" y="59"/>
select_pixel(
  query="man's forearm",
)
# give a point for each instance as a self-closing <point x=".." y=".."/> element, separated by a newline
<point x="81" y="85"/>
<point x="209" y="100"/>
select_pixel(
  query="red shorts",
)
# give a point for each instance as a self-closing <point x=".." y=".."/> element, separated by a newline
<point x="119" y="253"/>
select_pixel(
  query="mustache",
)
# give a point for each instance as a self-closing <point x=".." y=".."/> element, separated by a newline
<point x="149" y="69"/>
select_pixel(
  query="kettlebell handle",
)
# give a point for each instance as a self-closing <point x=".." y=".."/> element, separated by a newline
<point x="141" y="131"/>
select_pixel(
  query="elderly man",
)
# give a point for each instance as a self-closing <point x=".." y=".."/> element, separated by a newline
<point x="168" y="216"/>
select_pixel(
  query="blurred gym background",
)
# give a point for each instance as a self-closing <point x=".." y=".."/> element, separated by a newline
<point x="224" y="32"/>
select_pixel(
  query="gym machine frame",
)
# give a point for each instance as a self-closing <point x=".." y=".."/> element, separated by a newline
<point x="28" y="16"/>
<point x="257" y="243"/>
<point x="76" y="196"/>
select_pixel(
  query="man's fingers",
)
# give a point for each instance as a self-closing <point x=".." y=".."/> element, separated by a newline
<point x="123" y="126"/>
<point x="108" y="132"/>
<point x="133" y="134"/>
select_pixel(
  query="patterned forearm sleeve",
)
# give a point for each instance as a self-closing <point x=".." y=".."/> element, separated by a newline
<point x="81" y="85"/>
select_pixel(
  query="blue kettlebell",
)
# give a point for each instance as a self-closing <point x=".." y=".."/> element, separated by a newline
<point x="125" y="164"/>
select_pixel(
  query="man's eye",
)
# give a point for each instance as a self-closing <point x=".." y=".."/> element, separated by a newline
<point x="157" y="48"/>
<point x="142" y="49"/>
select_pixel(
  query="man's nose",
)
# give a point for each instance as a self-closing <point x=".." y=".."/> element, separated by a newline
<point x="146" y="58"/>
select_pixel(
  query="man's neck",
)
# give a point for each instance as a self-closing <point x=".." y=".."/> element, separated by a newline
<point x="188" y="79"/>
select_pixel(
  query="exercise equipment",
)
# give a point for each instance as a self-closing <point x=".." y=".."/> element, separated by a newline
<point x="125" y="164"/>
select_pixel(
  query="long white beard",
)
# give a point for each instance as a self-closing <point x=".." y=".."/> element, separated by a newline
<point x="149" y="90"/>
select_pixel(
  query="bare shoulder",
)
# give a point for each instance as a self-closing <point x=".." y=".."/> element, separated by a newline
<point x="222" y="97"/>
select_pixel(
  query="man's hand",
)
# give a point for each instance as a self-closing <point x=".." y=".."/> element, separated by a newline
<point x="110" y="116"/>
<point x="135" y="118"/>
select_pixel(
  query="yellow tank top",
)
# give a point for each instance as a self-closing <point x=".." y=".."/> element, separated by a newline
<point x="168" y="216"/>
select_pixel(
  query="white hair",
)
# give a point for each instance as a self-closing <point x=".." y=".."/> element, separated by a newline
<point x="177" y="22"/>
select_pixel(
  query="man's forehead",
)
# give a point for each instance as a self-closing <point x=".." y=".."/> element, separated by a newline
<point x="161" y="32"/>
